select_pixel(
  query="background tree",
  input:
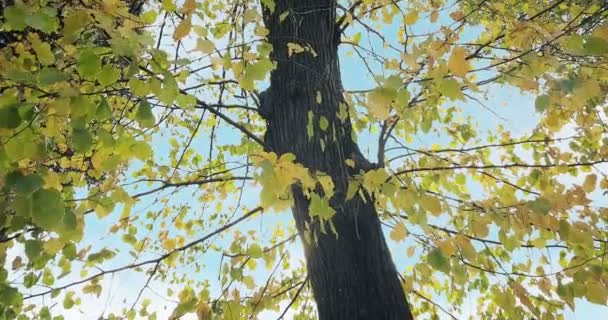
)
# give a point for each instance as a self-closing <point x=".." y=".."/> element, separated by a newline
<point x="150" y="125"/>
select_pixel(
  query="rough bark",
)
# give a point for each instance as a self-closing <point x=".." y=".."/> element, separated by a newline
<point x="352" y="273"/>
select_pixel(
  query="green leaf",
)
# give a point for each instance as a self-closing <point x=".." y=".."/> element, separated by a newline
<point x="451" y="89"/>
<point x="89" y="63"/>
<point x="542" y="103"/>
<point x="33" y="249"/>
<point x="9" y="117"/>
<point x="142" y="150"/>
<point x="48" y="208"/>
<point x="69" y="251"/>
<point x="44" y="19"/>
<point x="30" y="279"/>
<point x="14" y="18"/>
<point x="81" y="140"/>
<point x="540" y="205"/>
<point x="22" y="206"/>
<point x="47" y="277"/>
<point x="144" y="115"/>
<point x="49" y="76"/>
<point x="596" y="46"/>
<point x="323" y="123"/>
<point x="108" y="75"/>
<point x="24" y="185"/>
<point x="310" y="129"/>
<point x="438" y="261"/>
<point x="103" y="111"/>
<point x="320" y="207"/>
<point x="255" y="251"/>
<point x="270" y="4"/>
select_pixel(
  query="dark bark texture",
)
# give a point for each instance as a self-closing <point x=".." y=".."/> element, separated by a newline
<point x="352" y="273"/>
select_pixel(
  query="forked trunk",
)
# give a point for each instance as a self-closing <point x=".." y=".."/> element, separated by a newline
<point x="352" y="273"/>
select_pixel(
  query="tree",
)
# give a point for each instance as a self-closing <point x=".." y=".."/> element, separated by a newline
<point x="105" y="105"/>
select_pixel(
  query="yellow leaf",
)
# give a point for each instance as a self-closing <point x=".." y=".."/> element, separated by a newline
<point x="457" y="64"/>
<point x="590" y="183"/>
<point x="169" y="244"/>
<point x="411" y="18"/>
<point x="294" y="48"/>
<point x="379" y="101"/>
<point x="479" y="227"/>
<point x="350" y="163"/>
<point x="597" y="293"/>
<point x="261" y="31"/>
<point x="527" y="84"/>
<point x="205" y="46"/>
<point x="431" y="204"/>
<point x="522" y="294"/>
<point x="52" y="180"/>
<point x="183" y="29"/>
<point x="448" y="248"/>
<point x="411" y="251"/>
<point x="189" y="6"/>
<point x="399" y="232"/>
<point x="434" y="16"/>
<point x="465" y="245"/>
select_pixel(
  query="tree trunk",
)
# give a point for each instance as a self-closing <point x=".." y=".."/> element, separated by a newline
<point x="352" y="273"/>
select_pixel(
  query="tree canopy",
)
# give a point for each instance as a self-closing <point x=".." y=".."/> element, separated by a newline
<point x="132" y="142"/>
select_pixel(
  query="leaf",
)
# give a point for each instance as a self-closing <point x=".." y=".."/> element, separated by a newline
<point x="542" y="103"/>
<point x="50" y="76"/>
<point x="44" y="19"/>
<point x="320" y="207"/>
<point x="48" y="208"/>
<point x="323" y="123"/>
<point x="203" y="311"/>
<point x="14" y="18"/>
<point x="33" y="249"/>
<point x="142" y="150"/>
<point x="451" y="89"/>
<point x="310" y="129"/>
<point x="411" y="17"/>
<point x="540" y="205"/>
<point x="438" y="261"/>
<point x="457" y="15"/>
<point x="108" y="75"/>
<point x="255" y="251"/>
<point x="457" y="64"/>
<point x="590" y="183"/>
<point x="144" y="115"/>
<point x="183" y="29"/>
<point x="431" y="204"/>
<point x="189" y="6"/>
<point x="596" y="46"/>
<point x="103" y="111"/>
<point x="597" y="293"/>
<point x="82" y="140"/>
<point x="205" y="46"/>
<point x="24" y="184"/>
<point x="43" y="50"/>
<point x="89" y="63"/>
<point x="270" y="4"/>
<point x="9" y="117"/>
<point x="399" y="232"/>
<point x="379" y="101"/>
<point x="374" y="179"/>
